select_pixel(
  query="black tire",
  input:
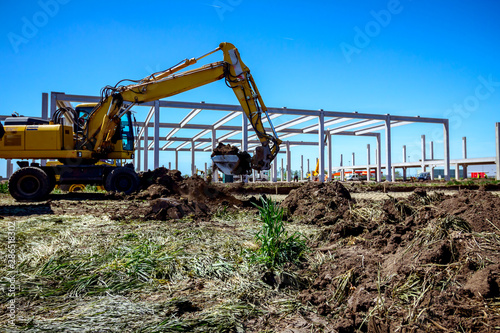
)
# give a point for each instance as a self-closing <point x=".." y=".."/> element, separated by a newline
<point x="123" y="180"/>
<point x="29" y="184"/>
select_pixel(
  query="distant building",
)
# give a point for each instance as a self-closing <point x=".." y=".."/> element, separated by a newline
<point x="489" y="170"/>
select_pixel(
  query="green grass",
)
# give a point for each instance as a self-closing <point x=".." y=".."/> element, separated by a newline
<point x="4" y="187"/>
<point x="277" y="247"/>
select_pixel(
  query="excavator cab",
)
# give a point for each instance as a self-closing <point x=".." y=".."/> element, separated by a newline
<point x="124" y="132"/>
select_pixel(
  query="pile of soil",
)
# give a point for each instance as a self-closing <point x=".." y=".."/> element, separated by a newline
<point x="244" y="164"/>
<point x="428" y="263"/>
<point x="318" y="203"/>
<point x="171" y="196"/>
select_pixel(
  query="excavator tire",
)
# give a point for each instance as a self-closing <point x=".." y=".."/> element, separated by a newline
<point x="29" y="184"/>
<point x="123" y="180"/>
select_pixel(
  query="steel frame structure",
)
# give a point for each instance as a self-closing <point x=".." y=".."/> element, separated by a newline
<point x="329" y="123"/>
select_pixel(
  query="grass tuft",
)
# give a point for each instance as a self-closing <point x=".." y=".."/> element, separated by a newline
<point x="277" y="247"/>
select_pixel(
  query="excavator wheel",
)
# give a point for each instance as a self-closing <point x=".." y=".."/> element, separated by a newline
<point x="122" y="179"/>
<point x="29" y="184"/>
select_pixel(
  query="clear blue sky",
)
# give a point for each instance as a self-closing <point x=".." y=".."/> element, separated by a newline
<point x="427" y="58"/>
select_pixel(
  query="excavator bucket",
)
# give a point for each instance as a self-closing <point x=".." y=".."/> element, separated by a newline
<point x="231" y="161"/>
<point x="226" y="163"/>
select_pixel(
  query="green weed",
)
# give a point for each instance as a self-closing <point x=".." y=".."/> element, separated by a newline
<point x="276" y="246"/>
<point x="4" y="187"/>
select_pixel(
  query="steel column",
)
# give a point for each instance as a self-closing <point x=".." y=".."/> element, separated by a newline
<point x="176" y="160"/>
<point x="423" y="152"/>
<point x="282" y="172"/>
<point x="432" y="158"/>
<point x="10" y="168"/>
<point x="288" y="162"/>
<point x="244" y="133"/>
<point x="329" y="155"/>
<point x="53" y="103"/>
<point x="321" y="144"/>
<point x="464" y="155"/>
<point x="156" y="148"/>
<point x="138" y="156"/>
<point x="388" y="162"/>
<point x="342" y="173"/>
<point x="193" y="164"/>
<point x="146" y="148"/>
<point x="404" y="161"/>
<point x="215" y="173"/>
<point x="378" y="156"/>
<point x="275" y="170"/>
<point x="368" y="162"/>
<point x="45" y="115"/>
<point x="301" y="167"/>
<point x="497" y="140"/>
<point x="446" y="140"/>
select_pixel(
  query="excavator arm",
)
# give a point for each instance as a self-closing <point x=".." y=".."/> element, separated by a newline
<point x="105" y="118"/>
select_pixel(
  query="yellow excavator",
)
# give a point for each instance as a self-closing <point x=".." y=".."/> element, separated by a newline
<point x="80" y="137"/>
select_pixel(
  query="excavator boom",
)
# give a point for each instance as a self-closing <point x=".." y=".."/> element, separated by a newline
<point x="104" y="119"/>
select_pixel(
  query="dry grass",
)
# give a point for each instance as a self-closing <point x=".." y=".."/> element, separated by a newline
<point x="87" y="273"/>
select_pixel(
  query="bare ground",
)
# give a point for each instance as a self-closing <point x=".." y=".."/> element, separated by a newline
<point x="180" y="260"/>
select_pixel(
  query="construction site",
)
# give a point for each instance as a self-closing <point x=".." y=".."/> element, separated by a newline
<point x="186" y="253"/>
<point x="143" y="208"/>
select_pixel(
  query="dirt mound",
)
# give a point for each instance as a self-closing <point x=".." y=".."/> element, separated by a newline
<point x="322" y="203"/>
<point x="479" y="208"/>
<point x="171" y="196"/>
<point x="426" y="263"/>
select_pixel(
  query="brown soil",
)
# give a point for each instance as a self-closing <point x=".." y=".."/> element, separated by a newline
<point x="318" y="203"/>
<point x="427" y="263"/>
<point x="434" y="254"/>
<point x="171" y="196"/>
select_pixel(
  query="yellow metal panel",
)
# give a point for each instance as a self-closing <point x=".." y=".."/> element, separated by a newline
<point x="35" y="154"/>
<point x="43" y="137"/>
<point x="68" y="141"/>
<point x="13" y="138"/>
